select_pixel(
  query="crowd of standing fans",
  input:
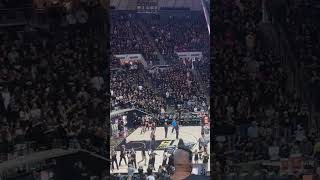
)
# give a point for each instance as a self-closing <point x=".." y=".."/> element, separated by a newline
<point x="178" y="34"/>
<point x="53" y="92"/>
<point x="128" y="37"/>
<point x="131" y="87"/>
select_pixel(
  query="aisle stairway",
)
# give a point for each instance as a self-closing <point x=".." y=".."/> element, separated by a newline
<point x="200" y="79"/>
<point x="154" y="46"/>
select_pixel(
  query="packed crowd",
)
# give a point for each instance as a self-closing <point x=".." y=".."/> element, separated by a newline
<point x="135" y="86"/>
<point x="176" y="34"/>
<point x="130" y="87"/>
<point x="129" y="37"/>
<point x="181" y="88"/>
<point x="251" y="100"/>
<point x="304" y="35"/>
<point x="52" y="91"/>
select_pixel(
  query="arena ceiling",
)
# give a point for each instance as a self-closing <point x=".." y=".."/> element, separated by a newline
<point x="194" y="5"/>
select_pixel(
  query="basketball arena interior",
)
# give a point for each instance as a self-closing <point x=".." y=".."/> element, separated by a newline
<point x="160" y="75"/>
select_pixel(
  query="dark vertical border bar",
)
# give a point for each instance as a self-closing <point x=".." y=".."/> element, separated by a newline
<point x="212" y="33"/>
<point x="105" y="38"/>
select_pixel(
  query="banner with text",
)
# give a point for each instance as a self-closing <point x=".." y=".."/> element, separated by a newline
<point x="134" y="58"/>
<point x="190" y="55"/>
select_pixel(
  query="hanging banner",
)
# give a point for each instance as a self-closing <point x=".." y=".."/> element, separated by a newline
<point x="127" y="58"/>
<point x="190" y="55"/>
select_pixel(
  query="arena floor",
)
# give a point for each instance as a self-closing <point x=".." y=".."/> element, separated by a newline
<point x="189" y="134"/>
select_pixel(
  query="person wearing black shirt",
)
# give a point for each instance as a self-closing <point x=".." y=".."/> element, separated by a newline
<point x="165" y="158"/>
<point x="114" y="158"/>
<point x="152" y="159"/>
<point x="133" y="158"/>
<point x="153" y="126"/>
<point x="196" y="156"/>
<point x="123" y="155"/>
<point x="146" y="124"/>
<point x="140" y="173"/>
<point x="177" y="131"/>
<point x="153" y="140"/>
<point x="166" y="129"/>
<point x="130" y="160"/>
<point x="149" y="170"/>
<point x="143" y="127"/>
<point x="143" y="154"/>
<point x="170" y="163"/>
<point x="205" y="160"/>
<point x="284" y="150"/>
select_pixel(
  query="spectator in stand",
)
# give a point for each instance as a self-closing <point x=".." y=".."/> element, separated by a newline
<point x="130" y="172"/>
<point x="183" y="165"/>
<point x="150" y="175"/>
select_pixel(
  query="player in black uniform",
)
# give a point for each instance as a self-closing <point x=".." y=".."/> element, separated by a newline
<point x="177" y="130"/>
<point x="166" y="126"/>
<point x="165" y="158"/>
<point x="153" y="126"/>
<point x="196" y="156"/>
<point x="143" y="126"/>
<point x="114" y="158"/>
<point x="153" y="140"/>
<point x="152" y="159"/>
<point x="133" y="158"/>
<point x="123" y="155"/>
<point x="143" y="154"/>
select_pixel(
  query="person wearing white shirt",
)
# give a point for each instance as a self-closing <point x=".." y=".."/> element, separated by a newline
<point x="130" y="172"/>
<point x="6" y="97"/>
<point x="195" y="109"/>
<point x="150" y="177"/>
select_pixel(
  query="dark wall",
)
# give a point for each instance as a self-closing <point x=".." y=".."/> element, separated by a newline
<point x="65" y="169"/>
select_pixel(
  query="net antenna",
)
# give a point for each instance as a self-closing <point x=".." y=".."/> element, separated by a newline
<point x="205" y="8"/>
